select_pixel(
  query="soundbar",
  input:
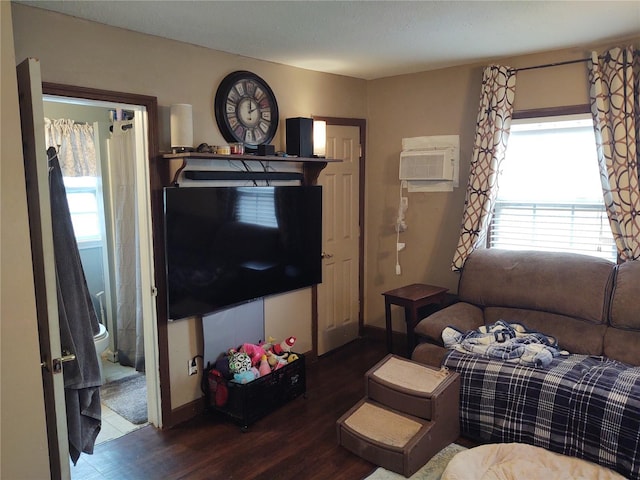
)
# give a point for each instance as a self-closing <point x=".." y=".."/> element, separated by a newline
<point x="216" y="175"/>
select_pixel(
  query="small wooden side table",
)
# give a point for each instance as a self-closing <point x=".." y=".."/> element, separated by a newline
<point x="412" y="298"/>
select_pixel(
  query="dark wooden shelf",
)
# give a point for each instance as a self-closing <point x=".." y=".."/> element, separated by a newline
<point x="257" y="158"/>
<point x="312" y="166"/>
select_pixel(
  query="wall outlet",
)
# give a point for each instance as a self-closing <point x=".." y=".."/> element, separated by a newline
<point x="192" y="367"/>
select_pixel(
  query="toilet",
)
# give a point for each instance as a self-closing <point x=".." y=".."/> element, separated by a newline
<point x="101" y="341"/>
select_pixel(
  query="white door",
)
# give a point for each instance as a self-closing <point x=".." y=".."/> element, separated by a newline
<point x="37" y="177"/>
<point x="338" y="294"/>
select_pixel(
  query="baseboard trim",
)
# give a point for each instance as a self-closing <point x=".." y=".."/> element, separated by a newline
<point x="186" y="412"/>
<point x="378" y="333"/>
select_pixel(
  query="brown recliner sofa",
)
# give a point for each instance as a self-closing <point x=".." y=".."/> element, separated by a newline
<point x="590" y="305"/>
<point x="586" y="404"/>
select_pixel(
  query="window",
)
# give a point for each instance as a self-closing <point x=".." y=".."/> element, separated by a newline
<point x="550" y="196"/>
<point x="82" y="197"/>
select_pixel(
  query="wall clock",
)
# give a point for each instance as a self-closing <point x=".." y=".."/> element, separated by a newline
<point x="246" y="109"/>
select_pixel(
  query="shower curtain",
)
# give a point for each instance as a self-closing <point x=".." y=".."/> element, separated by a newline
<point x="121" y="177"/>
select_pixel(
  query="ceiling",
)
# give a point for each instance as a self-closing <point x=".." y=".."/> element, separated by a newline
<point x="368" y="39"/>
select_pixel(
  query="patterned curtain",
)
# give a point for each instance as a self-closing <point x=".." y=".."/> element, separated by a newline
<point x="492" y="132"/>
<point x="75" y="145"/>
<point x="614" y="79"/>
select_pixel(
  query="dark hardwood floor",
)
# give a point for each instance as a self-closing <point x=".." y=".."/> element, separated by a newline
<point x="297" y="441"/>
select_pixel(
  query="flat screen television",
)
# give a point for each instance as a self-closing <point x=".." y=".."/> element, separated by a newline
<point x="228" y="245"/>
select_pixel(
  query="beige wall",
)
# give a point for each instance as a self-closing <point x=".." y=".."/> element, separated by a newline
<point x="23" y="440"/>
<point x="78" y="52"/>
<point x="442" y="102"/>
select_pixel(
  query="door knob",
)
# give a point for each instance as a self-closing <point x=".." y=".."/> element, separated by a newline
<point x="327" y="255"/>
<point x="56" y="363"/>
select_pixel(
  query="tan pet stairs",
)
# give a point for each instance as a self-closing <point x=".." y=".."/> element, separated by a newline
<point x="409" y="413"/>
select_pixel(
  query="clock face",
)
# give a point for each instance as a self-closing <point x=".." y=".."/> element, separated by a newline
<point x="246" y="109"/>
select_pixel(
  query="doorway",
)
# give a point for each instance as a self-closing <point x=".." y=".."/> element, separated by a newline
<point x="99" y="145"/>
<point x="144" y="112"/>
<point x="149" y="201"/>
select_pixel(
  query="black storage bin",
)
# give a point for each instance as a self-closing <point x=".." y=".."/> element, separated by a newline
<point x="251" y="401"/>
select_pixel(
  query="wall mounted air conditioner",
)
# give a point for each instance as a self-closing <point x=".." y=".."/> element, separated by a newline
<point x="427" y="165"/>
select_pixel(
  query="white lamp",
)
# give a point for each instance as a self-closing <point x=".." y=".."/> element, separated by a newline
<point x="181" y="127"/>
<point x="319" y="138"/>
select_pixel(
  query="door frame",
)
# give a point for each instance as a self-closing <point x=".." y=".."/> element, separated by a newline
<point x="157" y="171"/>
<point x="361" y="123"/>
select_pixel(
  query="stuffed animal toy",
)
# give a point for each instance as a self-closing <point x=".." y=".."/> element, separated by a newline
<point x="245" y="377"/>
<point x="239" y="362"/>
<point x="284" y="346"/>
<point x="255" y="352"/>
<point x="268" y="345"/>
<point x="272" y="359"/>
<point x="222" y="366"/>
<point x="276" y="361"/>
<point x="292" y="357"/>
<point x="264" y="368"/>
<point x="218" y="391"/>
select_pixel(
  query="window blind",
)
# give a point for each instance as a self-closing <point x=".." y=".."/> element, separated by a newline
<point x="580" y="228"/>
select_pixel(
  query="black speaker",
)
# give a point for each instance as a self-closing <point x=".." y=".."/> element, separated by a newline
<point x="300" y="136"/>
<point x="264" y="150"/>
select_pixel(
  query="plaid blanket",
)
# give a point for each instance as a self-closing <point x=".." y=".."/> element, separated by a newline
<point x="583" y="406"/>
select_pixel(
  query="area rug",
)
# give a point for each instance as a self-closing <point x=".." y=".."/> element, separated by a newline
<point x="127" y="397"/>
<point x="432" y="470"/>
